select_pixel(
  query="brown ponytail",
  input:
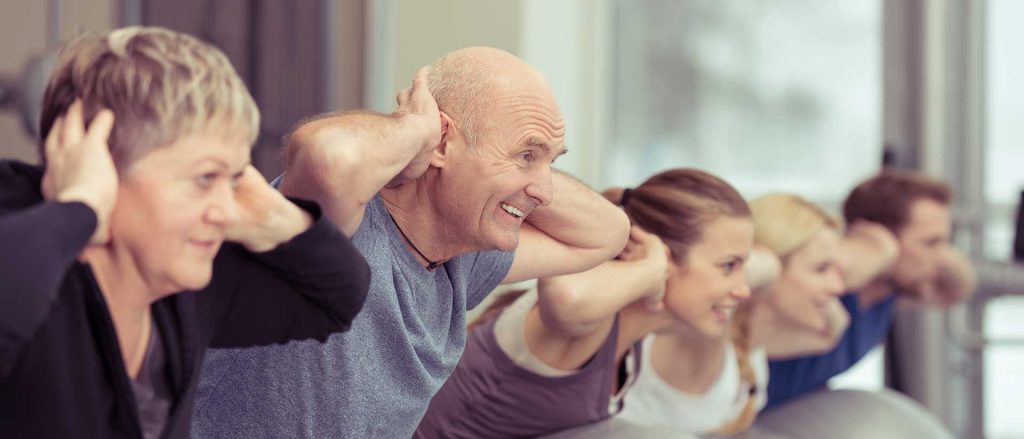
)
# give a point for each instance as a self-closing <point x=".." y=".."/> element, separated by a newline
<point x="676" y="204"/>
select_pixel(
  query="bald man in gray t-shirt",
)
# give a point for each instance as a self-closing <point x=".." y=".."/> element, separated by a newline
<point x="446" y="199"/>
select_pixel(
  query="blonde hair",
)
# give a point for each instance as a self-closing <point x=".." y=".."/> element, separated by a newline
<point x="783" y="223"/>
<point x="740" y="334"/>
<point x="161" y="85"/>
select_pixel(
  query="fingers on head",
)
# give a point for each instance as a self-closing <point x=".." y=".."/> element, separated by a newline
<point x="102" y="124"/>
<point x="74" y="127"/>
<point x="53" y="139"/>
<point x="403" y="96"/>
<point x="420" y="80"/>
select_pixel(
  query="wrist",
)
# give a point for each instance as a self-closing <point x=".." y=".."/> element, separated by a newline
<point x="284" y="223"/>
<point x="293" y="221"/>
<point x="76" y="196"/>
<point x="418" y="130"/>
<point x="654" y="275"/>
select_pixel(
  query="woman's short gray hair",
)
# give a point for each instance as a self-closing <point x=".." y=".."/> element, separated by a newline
<point x="160" y="84"/>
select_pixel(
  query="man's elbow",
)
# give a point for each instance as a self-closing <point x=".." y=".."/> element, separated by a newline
<point x="617" y="234"/>
<point x="321" y="163"/>
<point x="613" y="237"/>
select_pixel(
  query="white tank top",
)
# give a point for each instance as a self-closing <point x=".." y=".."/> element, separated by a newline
<point x="653" y="402"/>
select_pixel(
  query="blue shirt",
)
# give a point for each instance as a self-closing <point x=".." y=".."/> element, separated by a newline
<point x="374" y="381"/>
<point x="788" y="379"/>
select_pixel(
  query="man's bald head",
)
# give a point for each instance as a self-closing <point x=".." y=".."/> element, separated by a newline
<point x="464" y="81"/>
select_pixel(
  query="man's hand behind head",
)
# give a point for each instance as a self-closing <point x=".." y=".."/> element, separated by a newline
<point x="418" y="110"/>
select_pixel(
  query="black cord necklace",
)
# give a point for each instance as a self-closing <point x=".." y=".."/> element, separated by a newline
<point x="430" y="264"/>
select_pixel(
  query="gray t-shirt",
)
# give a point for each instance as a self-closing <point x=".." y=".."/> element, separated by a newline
<point x="375" y="380"/>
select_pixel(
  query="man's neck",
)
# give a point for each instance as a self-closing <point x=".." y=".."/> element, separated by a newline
<point x="427" y="235"/>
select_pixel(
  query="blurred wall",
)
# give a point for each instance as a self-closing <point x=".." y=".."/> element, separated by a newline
<point x="24" y="32"/>
<point x="566" y="40"/>
<point x="423" y="31"/>
<point x="327" y="46"/>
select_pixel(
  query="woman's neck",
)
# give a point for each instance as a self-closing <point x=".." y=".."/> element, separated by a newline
<point x="764" y="323"/>
<point x="687" y="361"/>
<point x="128" y="298"/>
<point x="636" y="321"/>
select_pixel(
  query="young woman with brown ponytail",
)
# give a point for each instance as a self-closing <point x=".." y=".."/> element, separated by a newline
<point x="564" y="355"/>
<point x="797" y="313"/>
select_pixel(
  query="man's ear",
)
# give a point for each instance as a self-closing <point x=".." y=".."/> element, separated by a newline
<point x="446" y="126"/>
<point x="448" y="134"/>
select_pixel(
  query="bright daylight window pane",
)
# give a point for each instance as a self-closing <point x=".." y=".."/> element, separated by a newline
<point x="1004" y="382"/>
<point x="773" y="95"/>
<point x="1004" y="173"/>
<point x="1004" y="129"/>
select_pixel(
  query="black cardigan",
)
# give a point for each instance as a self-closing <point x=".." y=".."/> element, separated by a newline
<point x="61" y="370"/>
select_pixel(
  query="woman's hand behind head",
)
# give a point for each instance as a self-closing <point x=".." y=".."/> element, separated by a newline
<point x="79" y="166"/>
<point x="264" y="218"/>
<point x="647" y="248"/>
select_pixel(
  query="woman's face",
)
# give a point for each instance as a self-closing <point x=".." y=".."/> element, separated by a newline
<point x="809" y="281"/>
<point x="706" y="287"/>
<point x="172" y="208"/>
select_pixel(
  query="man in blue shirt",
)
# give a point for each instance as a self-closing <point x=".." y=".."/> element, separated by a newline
<point x="898" y="247"/>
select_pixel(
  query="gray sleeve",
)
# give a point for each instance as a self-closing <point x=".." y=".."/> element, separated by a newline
<point x="488" y="270"/>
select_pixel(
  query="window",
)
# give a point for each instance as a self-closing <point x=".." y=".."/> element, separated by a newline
<point x="1004" y="180"/>
<point x="777" y="95"/>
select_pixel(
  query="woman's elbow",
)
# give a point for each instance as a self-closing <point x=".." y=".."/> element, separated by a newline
<point x="558" y="299"/>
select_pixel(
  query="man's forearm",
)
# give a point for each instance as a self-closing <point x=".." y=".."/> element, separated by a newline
<point x="863" y="258"/>
<point x="581" y="218"/>
<point x="574" y="303"/>
<point x="578" y="230"/>
<point x="957" y="280"/>
<point x="343" y="160"/>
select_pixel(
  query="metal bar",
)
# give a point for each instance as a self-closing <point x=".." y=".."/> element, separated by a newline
<point x="995" y="280"/>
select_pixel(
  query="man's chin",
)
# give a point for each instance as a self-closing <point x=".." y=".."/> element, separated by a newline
<point x="507" y="243"/>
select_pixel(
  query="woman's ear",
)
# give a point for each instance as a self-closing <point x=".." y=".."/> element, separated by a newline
<point x="673" y="264"/>
<point x="448" y="134"/>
